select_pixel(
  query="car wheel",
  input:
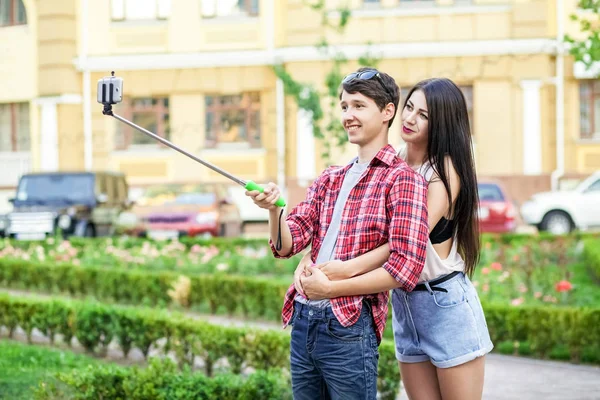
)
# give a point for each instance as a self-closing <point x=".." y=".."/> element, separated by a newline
<point x="557" y="223"/>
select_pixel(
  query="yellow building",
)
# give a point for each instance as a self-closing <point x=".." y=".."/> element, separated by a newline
<point x="200" y="73"/>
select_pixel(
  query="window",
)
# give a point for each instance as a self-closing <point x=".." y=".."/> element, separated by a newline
<point x="233" y="119"/>
<point x="225" y="8"/>
<point x="594" y="187"/>
<point x="14" y="127"/>
<point x="467" y="92"/>
<point x="132" y="10"/>
<point x="149" y="113"/>
<point x="589" y="109"/>
<point x="12" y="12"/>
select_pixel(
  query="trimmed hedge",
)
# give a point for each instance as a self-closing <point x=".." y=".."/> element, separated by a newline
<point x="96" y="325"/>
<point x="591" y="255"/>
<point x="254" y="297"/>
<point x="563" y="333"/>
<point x="161" y="381"/>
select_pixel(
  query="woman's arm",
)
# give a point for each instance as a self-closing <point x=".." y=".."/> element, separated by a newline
<point x="438" y="205"/>
<point x="337" y="270"/>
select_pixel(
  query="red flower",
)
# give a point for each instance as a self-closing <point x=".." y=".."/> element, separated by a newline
<point x="496" y="266"/>
<point x="563" y="286"/>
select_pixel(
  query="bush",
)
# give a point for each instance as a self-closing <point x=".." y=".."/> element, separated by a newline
<point x="161" y="381"/>
<point x="591" y="256"/>
<point x="188" y="339"/>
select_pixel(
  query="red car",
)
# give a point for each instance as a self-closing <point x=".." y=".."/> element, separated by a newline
<point x="497" y="213"/>
<point x="198" y="210"/>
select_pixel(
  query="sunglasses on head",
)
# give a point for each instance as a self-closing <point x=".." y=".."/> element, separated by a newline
<point x="366" y="75"/>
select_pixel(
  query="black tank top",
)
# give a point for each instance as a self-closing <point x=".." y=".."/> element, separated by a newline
<point x="442" y="231"/>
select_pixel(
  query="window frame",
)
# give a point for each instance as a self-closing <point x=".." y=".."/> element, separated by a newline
<point x="15" y="127"/>
<point x="158" y="16"/>
<point x="13" y="20"/>
<point x="594" y="93"/>
<point x="247" y="11"/>
<point x="161" y="109"/>
<point x="247" y="105"/>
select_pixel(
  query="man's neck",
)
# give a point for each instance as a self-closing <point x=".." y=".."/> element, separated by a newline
<point x="369" y="150"/>
<point x="415" y="154"/>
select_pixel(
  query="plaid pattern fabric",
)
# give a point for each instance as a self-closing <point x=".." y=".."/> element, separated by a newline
<point x="388" y="204"/>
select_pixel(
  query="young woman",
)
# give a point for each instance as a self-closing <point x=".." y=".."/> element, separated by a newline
<point x="439" y="327"/>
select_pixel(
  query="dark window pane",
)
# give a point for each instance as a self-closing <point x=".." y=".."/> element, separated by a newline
<point x="21" y="17"/>
<point x="5" y="17"/>
<point x="22" y="129"/>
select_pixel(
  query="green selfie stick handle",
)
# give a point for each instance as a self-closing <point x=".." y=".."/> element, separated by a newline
<point x="250" y="186"/>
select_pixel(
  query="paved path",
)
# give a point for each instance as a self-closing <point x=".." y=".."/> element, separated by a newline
<point x="506" y="377"/>
<point x="516" y="378"/>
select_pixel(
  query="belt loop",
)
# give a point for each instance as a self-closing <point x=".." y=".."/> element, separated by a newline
<point x="428" y="287"/>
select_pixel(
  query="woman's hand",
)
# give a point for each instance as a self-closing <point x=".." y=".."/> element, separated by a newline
<point x="336" y="270"/>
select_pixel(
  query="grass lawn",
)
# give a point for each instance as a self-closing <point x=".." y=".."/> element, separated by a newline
<point x="22" y="366"/>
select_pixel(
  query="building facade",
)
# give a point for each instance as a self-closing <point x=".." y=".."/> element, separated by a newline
<point x="200" y="74"/>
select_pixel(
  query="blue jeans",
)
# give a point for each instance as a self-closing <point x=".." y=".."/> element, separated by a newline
<point x="330" y="361"/>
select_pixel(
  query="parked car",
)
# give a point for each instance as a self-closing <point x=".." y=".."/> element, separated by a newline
<point x="173" y="211"/>
<point x="497" y="212"/>
<point x="249" y="212"/>
<point x="76" y="203"/>
<point x="561" y="212"/>
<point x="3" y="224"/>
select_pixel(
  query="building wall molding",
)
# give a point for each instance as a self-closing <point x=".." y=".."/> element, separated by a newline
<point x="212" y="59"/>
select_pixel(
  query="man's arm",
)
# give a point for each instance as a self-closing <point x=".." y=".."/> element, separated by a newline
<point x="298" y="227"/>
<point x="407" y="205"/>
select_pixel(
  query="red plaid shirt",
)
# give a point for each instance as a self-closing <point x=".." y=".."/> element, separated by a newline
<point x="388" y="204"/>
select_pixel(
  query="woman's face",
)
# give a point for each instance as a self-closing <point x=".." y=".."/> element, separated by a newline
<point x="415" y="123"/>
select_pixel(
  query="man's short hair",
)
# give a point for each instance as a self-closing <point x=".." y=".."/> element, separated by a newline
<point x="381" y="88"/>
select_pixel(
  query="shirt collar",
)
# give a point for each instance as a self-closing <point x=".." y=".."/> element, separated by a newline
<point x="386" y="155"/>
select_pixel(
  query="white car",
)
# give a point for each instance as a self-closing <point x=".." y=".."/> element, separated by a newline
<point x="561" y="212"/>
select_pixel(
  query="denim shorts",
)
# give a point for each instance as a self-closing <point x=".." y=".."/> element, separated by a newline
<point x="443" y="323"/>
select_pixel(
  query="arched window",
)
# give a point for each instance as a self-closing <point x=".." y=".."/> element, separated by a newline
<point x="12" y="12"/>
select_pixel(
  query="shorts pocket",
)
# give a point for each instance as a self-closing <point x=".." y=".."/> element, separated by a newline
<point x="353" y="333"/>
<point x="454" y="296"/>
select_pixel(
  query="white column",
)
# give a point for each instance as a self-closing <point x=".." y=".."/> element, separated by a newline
<point x="49" y="137"/>
<point x="49" y="128"/>
<point x="87" y="90"/>
<point x="305" y="148"/>
<point x="280" y="95"/>
<point x="532" y="127"/>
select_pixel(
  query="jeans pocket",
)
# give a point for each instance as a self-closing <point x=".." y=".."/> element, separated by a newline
<point x="454" y="296"/>
<point x="353" y="333"/>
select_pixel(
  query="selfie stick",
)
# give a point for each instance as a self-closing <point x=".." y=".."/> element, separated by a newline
<point x="110" y="91"/>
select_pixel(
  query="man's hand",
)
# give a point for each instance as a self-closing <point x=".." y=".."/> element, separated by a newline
<point x="335" y="270"/>
<point x="267" y="198"/>
<point x="316" y="285"/>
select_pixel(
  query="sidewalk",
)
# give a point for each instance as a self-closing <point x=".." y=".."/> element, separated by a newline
<point x="506" y="377"/>
<point x="515" y="378"/>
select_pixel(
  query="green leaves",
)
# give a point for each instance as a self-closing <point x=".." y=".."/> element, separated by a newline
<point x="586" y="50"/>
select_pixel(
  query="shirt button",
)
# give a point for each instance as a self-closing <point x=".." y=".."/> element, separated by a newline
<point x="310" y="313"/>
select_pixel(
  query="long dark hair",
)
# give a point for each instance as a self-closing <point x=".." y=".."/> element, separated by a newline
<point x="450" y="135"/>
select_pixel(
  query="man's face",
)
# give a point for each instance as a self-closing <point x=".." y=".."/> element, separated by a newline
<point x="361" y="118"/>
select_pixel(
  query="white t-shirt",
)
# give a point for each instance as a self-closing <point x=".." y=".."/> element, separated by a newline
<point x="434" y="265"/>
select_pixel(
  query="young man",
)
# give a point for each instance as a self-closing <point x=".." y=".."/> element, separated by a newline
<point x="347" y="212"/>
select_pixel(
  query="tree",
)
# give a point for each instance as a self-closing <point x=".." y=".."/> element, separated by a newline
<point x="326" y="126"/>
<point x="588" y="49"/>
